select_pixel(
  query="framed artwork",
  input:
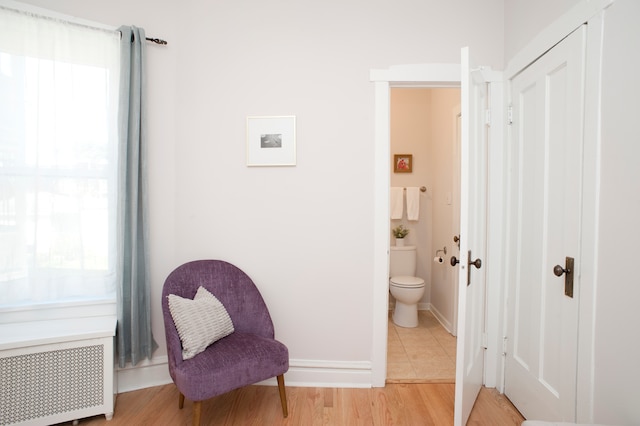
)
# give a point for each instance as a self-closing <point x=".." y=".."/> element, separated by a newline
<point x="271" y="141"/>
<point x="402" y="163"/>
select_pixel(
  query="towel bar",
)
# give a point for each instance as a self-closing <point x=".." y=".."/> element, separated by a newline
<point x="422" y="189"/>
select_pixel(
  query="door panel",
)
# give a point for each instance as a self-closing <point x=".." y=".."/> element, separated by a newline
<point x="455" y="208"/>
<point x="473" y="195"/>
<point x="546" y="152"/>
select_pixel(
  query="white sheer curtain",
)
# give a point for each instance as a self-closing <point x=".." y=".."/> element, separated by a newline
<point x="58" y="160"/>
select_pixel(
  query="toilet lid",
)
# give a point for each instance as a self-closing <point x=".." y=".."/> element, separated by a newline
<point x="407" y="281"/>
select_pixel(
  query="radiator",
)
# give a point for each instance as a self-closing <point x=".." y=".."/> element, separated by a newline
<point x="56" y="371"/>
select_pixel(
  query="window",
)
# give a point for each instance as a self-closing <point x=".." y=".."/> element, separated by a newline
<point x="58" y="160"/>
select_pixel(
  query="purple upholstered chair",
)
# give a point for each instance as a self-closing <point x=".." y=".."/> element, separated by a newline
<point x="248" y="355"/>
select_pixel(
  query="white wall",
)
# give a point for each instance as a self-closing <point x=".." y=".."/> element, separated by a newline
<point x="617" y="340"/>
<point x="303" y="233"/>
<point x="524" y="19"/>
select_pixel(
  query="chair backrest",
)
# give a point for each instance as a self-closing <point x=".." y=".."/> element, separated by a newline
<point x="230" y="285"/>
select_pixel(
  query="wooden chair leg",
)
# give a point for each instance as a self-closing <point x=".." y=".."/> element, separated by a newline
<point x="180" y="401"/>
<point x="197" y="410"/>
<point x="283" y="396"/>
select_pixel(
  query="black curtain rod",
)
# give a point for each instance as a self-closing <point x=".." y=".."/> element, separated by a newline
<point x="153" y="40"/>
<point x="156" y="40"/>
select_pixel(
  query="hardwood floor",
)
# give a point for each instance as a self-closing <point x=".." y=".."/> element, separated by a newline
<point x="420" y="391"/>
<point x="395" y="404"/>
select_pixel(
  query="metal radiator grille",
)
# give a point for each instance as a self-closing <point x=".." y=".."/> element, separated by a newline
<point x="46" y="383"/>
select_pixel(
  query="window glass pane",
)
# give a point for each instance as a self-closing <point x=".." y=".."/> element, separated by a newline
<point x="58" y="160"/>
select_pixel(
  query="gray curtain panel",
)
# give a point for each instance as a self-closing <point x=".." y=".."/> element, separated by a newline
<point x="134" y="340"/>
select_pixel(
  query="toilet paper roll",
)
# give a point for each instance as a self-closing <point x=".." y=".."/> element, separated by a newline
<point x="437" y="259"/>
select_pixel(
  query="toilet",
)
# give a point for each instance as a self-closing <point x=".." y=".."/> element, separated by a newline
<point x="405" y="287"/>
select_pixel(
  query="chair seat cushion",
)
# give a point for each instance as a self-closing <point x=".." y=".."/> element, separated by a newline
<point x="232" y="362"/>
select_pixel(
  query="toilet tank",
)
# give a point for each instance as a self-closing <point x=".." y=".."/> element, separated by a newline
<point x="402" y="261"/>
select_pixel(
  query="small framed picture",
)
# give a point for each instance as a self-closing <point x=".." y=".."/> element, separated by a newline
<point x="271" y="141"/>
<point x="402" y="163"/>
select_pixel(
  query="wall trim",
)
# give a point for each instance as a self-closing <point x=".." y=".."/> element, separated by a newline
<point x="592" y="149"/>
<point x="302" y="372"/>
<point x="58" y="311"/>
<point x="148" y="373"/>
<point x="334" y="374"/>
<point x="442" y="320"/>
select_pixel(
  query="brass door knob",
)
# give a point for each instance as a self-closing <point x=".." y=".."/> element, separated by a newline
<point x="477" y="263"/>
<point x="567" y="271"/>
<point x="559" y="270"/>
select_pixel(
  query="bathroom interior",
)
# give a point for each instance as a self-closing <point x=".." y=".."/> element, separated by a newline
<point x="425" y="129"/>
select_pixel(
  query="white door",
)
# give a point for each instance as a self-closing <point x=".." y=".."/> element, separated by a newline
<point x="546" y="153"/>
<point x="471" y="283"/>
<point x="455" y="208"/>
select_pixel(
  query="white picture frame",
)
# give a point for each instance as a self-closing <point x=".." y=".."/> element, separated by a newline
<point x="271" y="141"/>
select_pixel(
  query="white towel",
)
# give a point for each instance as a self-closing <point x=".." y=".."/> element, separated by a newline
<point x="396" y="201"/>
<point x="413" y="203"/>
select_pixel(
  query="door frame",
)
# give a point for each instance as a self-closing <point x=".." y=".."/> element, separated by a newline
<point x="431" y="75"/>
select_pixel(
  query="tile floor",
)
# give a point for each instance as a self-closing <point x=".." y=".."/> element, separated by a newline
<point x="424" y="354"/>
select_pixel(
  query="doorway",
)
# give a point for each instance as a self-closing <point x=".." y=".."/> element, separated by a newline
<point x="424" y="122"/>
<point x="435" y="75"/>
<point x="473" y="83"/>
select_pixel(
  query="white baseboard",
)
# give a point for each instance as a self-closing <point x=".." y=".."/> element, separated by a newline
<point x="424" y="306"/>
<point x="148" y="373"/>
<point x="302" y="373"/>
<point x="445" y="323"/>
<point x="334" y="374"/>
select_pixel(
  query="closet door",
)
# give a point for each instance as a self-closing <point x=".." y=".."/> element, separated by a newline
<point x="546" y="162"/>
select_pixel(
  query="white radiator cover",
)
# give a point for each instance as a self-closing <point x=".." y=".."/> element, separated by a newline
<point x="56" y="371"/>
